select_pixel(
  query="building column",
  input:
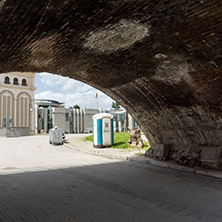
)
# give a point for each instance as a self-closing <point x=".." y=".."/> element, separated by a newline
<point x="77" y="115"/>
<point x="45" y="120"/>
<point x="36" y="116"/>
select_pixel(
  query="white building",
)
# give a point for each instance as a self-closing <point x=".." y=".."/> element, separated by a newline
<point x="17" y="116"/>
<point x="122" y="121"/>
<point x="50" y="113"/>
<point x="17" y="90"/>
<point x="81" y="120"/>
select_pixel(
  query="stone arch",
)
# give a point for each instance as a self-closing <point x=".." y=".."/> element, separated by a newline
<point x="7" y="106"/>
<point x="23" y="104"/>
<point x="161" y="60"/>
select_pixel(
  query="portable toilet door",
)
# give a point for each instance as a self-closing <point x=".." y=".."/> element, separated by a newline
<point x="103" y="130"/>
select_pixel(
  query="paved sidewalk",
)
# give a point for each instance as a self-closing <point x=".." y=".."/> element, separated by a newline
<point x="135" y="155"/>
<point x="87" y="147"/>
<point x="44" y="183"/>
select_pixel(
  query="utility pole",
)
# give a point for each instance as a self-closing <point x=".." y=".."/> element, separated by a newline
<point x="97" y="99"/>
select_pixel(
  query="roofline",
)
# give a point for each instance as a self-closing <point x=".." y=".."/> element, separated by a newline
<point x="49" y="101"/>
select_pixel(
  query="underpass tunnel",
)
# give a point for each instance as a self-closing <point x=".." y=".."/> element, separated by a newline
<point x="160" y="60"/>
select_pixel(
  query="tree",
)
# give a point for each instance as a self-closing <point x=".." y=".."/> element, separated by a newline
<point x="76" y="107"/>
<point x="115" y="105"/>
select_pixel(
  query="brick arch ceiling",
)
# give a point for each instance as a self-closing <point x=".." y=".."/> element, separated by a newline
<point x="161" y="60"/>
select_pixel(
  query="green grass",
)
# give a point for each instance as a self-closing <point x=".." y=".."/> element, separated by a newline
<point x="88" y="138"/>
<point x="120" y="141"/>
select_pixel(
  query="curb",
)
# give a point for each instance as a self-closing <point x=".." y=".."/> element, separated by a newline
<point x="146" y="160"/>
<point x="99" y="154"/>
<point x="203" y="172"/>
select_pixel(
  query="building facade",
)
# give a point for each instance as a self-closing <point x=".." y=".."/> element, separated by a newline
<point x="81" y="120"/>
<point x="17" y="91"/>
<point x="19" y="110"/>
<point x="122" y="121"/>
<point x="50" y="113"/>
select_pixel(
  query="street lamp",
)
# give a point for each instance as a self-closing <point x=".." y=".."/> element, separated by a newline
<point x="30" y="110"/>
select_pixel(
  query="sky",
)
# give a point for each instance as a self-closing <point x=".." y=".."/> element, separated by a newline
<point x="69" y="91"/>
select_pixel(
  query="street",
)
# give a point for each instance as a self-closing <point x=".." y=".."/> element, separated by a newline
<point x="41" y="182"/>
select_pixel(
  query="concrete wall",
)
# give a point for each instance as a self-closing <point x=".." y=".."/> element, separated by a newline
<point x="88" y="114"/>
<point x="82" y="120"/>
<point x="14" y="131"/>
<point x="58" y="118"/>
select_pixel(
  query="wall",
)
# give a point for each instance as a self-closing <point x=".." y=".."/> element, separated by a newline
<point x="88" y="114"/>
<point x="82" y="120"/>
<point x="16" y="100"/>
<point x="14" y="131"/>
<point x="58" y="118"/>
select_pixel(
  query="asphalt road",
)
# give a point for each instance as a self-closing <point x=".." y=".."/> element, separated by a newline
<point x="40" y="182"/>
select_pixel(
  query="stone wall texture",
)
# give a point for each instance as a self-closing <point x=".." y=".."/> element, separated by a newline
<point x="161" y="60"/>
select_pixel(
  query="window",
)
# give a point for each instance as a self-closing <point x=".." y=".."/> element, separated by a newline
<point x="67" y="116"/>
<point x="15" y="81"/>
<point x="24" y="83"/>
<point x="7" y="80"/>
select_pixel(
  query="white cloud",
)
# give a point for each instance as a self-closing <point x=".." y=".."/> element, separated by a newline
<point x="62" y="83"/>
<point x="84" y="100"/>
<point x="88" y="99"/>
<point x="70" y="84"/>
<point x="50" y="95"/>
<point x="47" y="79"/>
<point x="84" y="88"/>
<point x="70" y="91"/>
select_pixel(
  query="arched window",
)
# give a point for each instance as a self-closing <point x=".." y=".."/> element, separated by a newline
<point x="24" y="83"/>
<point x="7" y="80"/>
<point x="15" y="81"/>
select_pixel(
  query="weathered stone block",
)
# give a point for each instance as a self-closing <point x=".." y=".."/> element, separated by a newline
<point x="162" y="150"/>
<point x="135" y="138"/>
<point x="14" y="131"/>
<point x="149" y="152"/>
<point x="195" y="155"/>
<point x="210" y="156"/>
